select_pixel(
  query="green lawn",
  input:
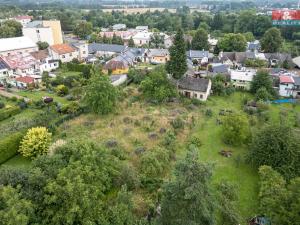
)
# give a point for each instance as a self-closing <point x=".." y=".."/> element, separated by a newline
<point x="38" y="95"/>
<point x="17" y="162"/>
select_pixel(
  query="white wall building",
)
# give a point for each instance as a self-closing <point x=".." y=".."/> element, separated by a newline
<point x="17" y="45"/>
<point x="142" y="38"/>
<point x="82" y="48"/>
<point x="39" y="34"/>
<point x="45" y="61"/>
<point x="242" y="78"/>
<point x="64" y="52"/>
<point x="286" y="86"/>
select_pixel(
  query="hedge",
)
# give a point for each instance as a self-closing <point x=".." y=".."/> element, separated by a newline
<point x="9" y="146"/>
<point x="9" y="112"/>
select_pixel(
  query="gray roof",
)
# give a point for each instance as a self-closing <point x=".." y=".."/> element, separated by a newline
<point x="197" y="54"/>
<point x="3" y="65"/>
<point x="158" y="52"/>
<point x="138" y="52"/>
<point x="281" y="57"/>
<point x="96" y="47"/>
<point x="193" y="84"/>
<point x="219" y="68"/>
<point x="35" y="24"/>
<point x="239" y="57"/>
<point x="297" y="81"/>
<point x="253" y="46"/>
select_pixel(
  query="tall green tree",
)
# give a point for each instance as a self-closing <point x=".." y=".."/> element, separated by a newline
<point x="83" y="29"/>
<point x="200" y="41"/>
<point x="235" y="129"/>
<point x="100" y="95"/>
<point x="177" y="66"/>
<point x="10" y="28"/>
<point x="187" y="198"/>
<point x="277" y="146"/>
<point x="131" y="43"/>
<point x="272" y="41"/>
<point x="233" y="43"/>
<point x="262" y="80"/>
<point x="157" y="87"/>
<point x="279" y="201"/>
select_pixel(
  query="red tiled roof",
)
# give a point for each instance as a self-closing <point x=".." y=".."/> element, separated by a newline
<point x="24" y="17"/>
<point x="62" y="49"/>
<point x="26" y="79"/>
<point x="18" y="61"/>
<point x="113" y="65"/>
<point x="286" y="79"/>
<point x="39" y="55"/>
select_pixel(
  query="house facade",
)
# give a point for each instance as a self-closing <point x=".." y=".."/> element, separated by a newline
<point x="17" y="45"/>
<point x="64" y="52"/>
<point x="142" y="38"/>
<point x="158" y="56"/>
<point x="286" y="86"/>
<point x="242" y="78"/>
<point x="44" y="31"/>
<point x="191" y="87"/>
<point x="45" y="62"/>
<point x="296" y="91"/>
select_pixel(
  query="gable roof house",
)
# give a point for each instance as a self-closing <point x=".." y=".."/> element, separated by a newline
<point x="218" y="68"/>
<point x="142" y="38"/>
<point x="22" y="82"/>
<point x="120" y="64"/>
<point x="82" y="48"/>
<point x="158" y="56"/>
<point x="203" y="57"/>
<point x="194" y="87"/>
<point x="16" y="45"/>
<point x="64" y="52"/>
<point x="278" y="58"/>
<point x="286" y="86"/>
<point x="105" y="50"/>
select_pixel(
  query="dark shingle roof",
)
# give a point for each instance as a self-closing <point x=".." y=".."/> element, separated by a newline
<point x="193" y="84"/>
<point x="297" y="80"/>
<point x="197" y="54"/>
<point x="3" y="65"/>
<point x="96" y="47"/>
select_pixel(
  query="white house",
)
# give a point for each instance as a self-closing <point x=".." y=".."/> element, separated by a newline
<point x="17" y="45"/>
<point x="45" y="61"/>
<point x="119" y="27"/>
<point x="191" y="87"/>
<point x="142" y="38"/>
<point x="82" y="48"/>
<point x="286" y="86"/>
<point x="21" y="64"/>
<point x="39" y="34"/>
<point x="142" y="28"/>
<point x="64" y="52"/>
<point x="242" y="78"/>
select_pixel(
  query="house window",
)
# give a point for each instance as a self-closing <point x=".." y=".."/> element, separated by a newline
<point x="83" y="52"/>
<point x="63" y="56"/>
<point x="201" y="96"/>
<point x="71" y="54"/>
<point x="195" y="95"/>
<point x="38" y="31"/>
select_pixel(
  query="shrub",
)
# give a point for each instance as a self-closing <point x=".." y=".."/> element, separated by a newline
<point x="61" y="90"/>
<point x="2" y="105"/>
<point x="177" y="123"/>
<point x="14" y="99"/>
<point x="71" y="108"/>
<point x="9" y="146"/>
<point x="35" y="142"/>
<point x="195" y="141"/>
<point x="9" y="112"/>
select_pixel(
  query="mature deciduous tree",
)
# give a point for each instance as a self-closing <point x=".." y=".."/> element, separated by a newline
<point x="100" y="96"/>
<point x="262" y="79"/>
<point x="233" y="42"/>
<point x="83" y="29"/>
<point x="235" y="129"/>
<point x="200" y="41"/>
<point x="271" y="41"/>
<point x="276" y="146"/>
<point x="157" y="87"/>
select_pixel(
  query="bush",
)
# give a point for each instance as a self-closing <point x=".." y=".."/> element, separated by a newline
<point x="35" y="142"/>
<point x="2" y="105"/>
<point x="9" y="112"/>
<point x="177" y="123"/>
<point x="71" y="108"/>
<point x="61" y="90"/>
<point x="9" y="146"/>
<point x="195" y="141"/>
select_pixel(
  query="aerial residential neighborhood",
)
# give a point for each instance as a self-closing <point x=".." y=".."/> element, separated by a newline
<point x="149" y="112"/>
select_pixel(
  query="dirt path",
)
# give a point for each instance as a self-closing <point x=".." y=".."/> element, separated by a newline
<point x="10" y="95"/>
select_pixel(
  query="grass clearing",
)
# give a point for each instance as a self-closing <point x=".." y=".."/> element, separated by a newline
<point x="18" y="162"/>
<point x="37" y="95"/>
